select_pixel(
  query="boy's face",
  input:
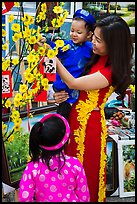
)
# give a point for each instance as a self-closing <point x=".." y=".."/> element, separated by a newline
<point x="78" y="32"/>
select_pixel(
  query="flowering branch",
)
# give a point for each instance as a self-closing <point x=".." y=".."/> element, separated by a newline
<point x="25" y="35"/>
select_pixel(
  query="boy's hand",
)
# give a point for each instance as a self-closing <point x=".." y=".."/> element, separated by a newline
<point x="41" y="42"/>
<point x="60" y="96"/>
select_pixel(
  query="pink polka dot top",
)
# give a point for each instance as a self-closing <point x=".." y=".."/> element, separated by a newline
<point x="39" y="184"/>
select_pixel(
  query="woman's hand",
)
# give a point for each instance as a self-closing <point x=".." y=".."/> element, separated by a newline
<point x="60" y="96"/>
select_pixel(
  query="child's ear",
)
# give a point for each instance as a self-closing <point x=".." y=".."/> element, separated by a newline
<point x="89" y="37"/>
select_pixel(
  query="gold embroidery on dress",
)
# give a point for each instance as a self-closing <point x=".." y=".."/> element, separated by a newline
<point x="103" y="156"/>
<point x="84" y="110"/>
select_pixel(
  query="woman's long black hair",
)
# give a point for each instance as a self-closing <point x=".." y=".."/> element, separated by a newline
<point x="47" y="133"/>
<point x="117" y="37"/>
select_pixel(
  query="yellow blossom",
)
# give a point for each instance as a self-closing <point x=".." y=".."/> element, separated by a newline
<point x="15" y="61"/>
<point x="51" y="54"/>
<point x="42" y="15"/>
<point x="15" y="114"/>
<point x="56" y="50"/>
<point x="65" y="48"/>
<point x="16" y="37"/>
<point x="5" y="64"/>
<point x="29" y="77"/>
<point x="8" y="103"/>
<point x="15" y="27"/>
<point x="26" y="33"/>
<point x="10" y="18"/>
<point x="132" y="87"/>
<point x="46" y="87"/>
<point x="39" y="36"/>
<point x="43" y="7"/>
<point x="29" y="94"/>
<point x="18" y="96"/>
<point x="30" y="115"/>
<point x="33" y="31"/>
<point x="54" y="22"/>
<point x="4" y="46"/>
<point x="28" y="159"/>
<point x="17" y="121"/>
<point x="16" y="127"/>
<point x="3" y="33"/>
<point x="31" y="20"/>
<point x="11" y="138"/>
<point x="16" y="4"/>
<point x="23" y="29"/>
<point x="24" y="96"/>
<point x="60" y="21"/>
<point x="32" y="40"/>
<point x="17" y="102"/>
<point x="30" y="57"/>
<point x="27" y="19"/>
<point x="57" y="9"/>
<point x="65" y="14"/>
<point x="23" y="88"/>
<point x="38" y="18"/>
<point x="35" y="90"/>
<point x="4" y="126"/>
<point x="41" y="51"/>
<point x="44" y="82"/>
<point x="59" y="43"/>
<point x="38" y="29"/>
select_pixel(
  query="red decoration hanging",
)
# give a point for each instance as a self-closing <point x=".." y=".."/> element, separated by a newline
<point x="48" y="68"/>
<point x="6" y="84"/>
<point x="41" y="95"/>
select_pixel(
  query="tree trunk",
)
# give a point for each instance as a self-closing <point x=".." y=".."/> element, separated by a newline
<point x="108" y="7"/>
<point x="115" y="8"/>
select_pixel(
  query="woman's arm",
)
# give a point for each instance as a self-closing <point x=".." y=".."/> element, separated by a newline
<point x="87" y="83"/>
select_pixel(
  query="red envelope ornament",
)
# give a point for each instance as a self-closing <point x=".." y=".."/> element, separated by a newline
<point x="48" y="68"/>
<point x="6" y="84"/>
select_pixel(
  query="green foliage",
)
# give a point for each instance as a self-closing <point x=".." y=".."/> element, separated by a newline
<point x="129" y="152"/>
<point x="129" y="186"/>
<point x="131" y="7"/>
<point x="131" y="22"/>
<point x="17" y="150"/>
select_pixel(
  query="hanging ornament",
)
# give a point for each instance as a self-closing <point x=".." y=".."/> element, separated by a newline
<point x="6" y="84"/>
<point x="48" y="67"/>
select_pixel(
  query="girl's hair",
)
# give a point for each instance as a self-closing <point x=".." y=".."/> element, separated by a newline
<point x="117" y="37"/>
<point x="47" y="133"/>
<point x="87" y="25"/>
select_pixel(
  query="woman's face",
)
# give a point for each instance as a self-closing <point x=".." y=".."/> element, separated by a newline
<point x="99" y="45"/>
